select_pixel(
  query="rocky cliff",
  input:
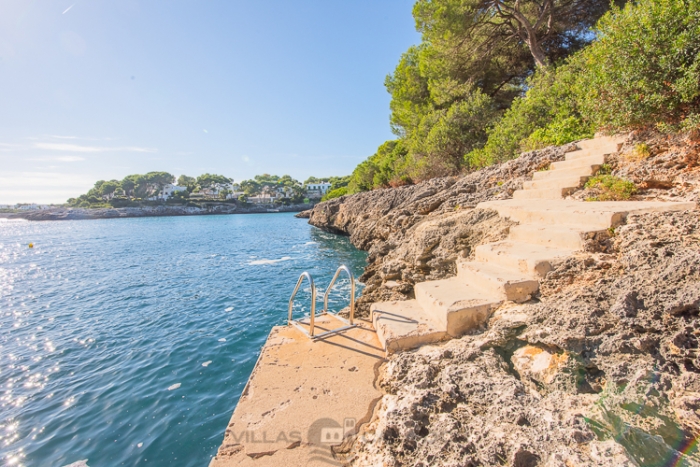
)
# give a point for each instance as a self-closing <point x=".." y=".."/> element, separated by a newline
<point x="415" y="233"/>
<point x="600" y="368"/>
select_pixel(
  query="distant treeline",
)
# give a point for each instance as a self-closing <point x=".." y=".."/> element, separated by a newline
<point x="137" y="189"/>
<point x="491" y="79"/>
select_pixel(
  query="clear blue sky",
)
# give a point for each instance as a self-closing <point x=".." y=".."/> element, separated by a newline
<point x="99" y="89"/>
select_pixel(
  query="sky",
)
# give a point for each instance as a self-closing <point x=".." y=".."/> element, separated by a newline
<point x="100" y="89"/>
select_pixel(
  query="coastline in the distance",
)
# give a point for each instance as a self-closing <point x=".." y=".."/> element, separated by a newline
<point x="59" y="214"/>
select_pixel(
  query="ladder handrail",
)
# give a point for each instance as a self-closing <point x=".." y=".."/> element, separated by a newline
<point x="303" y="275"/>
<point x="352" y="291"/>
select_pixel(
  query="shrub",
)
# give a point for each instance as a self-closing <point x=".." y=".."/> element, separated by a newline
<point x="640" y="152"/>
<point x="610" y="188"/>
<point x="645" y="66"/>
<point x="378" y="170"/>
<point x="337" y="193"/>
<point x="445" y="135"/>
<point x="547" y="114"/>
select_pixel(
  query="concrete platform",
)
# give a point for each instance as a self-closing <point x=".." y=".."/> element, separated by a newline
<point x="304" y="398"/>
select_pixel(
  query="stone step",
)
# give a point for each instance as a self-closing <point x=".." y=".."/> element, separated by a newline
<point x="527" y="258"/>
<point x="514" y="285"/>
<point x="596" y="215"/>
<point x="558" y="182"/>
<point x="459" y="307"/>
<point x="607" y="144"/>
<point x="580" y="154"/>
<point x="404" y="325"/>
<point x="543" y="193"/>
<point x="554" y="236"/>
<point x="572" y="172"/>
<point x="595" y="161"/>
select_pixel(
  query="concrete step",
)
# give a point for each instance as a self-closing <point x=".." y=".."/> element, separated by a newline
<point x="404" y="325"/>
<point x="513" y="285"/>
<point x="458" y="306"/>
<point x="553" y="236"/>
<point x="596" y="215"/>
<point x="595" y="161"/>
<point x="580" y="154"/>
<point x="607" y="144"/>
<point x="574" y="181"/>
<point x="527" y="258"/>
<point x="571" y="172"/>
<point x="543" y="193"/>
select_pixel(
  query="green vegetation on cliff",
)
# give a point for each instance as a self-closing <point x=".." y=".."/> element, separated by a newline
<point x="492" y="79"/>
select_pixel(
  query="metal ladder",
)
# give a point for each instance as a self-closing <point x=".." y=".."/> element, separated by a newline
<point x="349" y="324"/>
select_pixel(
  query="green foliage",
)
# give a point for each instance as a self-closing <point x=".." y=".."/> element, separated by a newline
<point x="337" y="193"/>
<point x="184" y="180"/>
<point x="207" y="180"/>
<point x="259" y="183"/>
<point x="640" y="152"/>
<point x="315" y="180"/>
<point x="645" y="66"/>
<point x="444" y="136"/>
<point x="556" y="133"/>
<point x="547" y="114"/>
<point x="448" y="93"/>
<point x="610" y="188"/>
<point x="388" y="165"/>
<point x="604" y="169"/>
<point x="107" y="188"/>
<point x="410" y="96"/>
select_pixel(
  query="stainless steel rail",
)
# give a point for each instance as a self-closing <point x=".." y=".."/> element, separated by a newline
<point x="352" y="291"/>
<point x="310" y="333"/>
<point x="290" y="321"/>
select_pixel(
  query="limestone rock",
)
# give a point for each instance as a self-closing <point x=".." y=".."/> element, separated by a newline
<point x="538" y="364"/>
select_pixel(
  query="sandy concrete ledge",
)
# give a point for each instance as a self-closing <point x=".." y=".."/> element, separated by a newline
<point x="304" y="398"/>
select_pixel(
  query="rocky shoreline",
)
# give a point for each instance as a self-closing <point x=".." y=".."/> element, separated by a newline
<point x="149" y="211"/>
<point x="602" y="367"/>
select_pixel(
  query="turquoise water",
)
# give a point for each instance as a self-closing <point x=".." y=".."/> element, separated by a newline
<point x="129" y="341"/>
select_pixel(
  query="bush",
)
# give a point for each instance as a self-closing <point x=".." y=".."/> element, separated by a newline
<point x="444" y="136"/>
<point x="337" y="193"/>
<point x="546" y="115"/>
<point x="645" y="66"/>
<point x="379" y="169"/>
<point x="610" y="188"/>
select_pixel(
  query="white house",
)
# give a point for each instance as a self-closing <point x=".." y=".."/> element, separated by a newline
<point x="285" y="191"/>
<point x="169" y="190"/>
<point x="317" y="190"/>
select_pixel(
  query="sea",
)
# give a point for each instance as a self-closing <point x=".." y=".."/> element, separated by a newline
<point x="129" y="341"/>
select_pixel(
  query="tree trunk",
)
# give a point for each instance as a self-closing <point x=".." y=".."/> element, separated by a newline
<point x="536" y="51"/>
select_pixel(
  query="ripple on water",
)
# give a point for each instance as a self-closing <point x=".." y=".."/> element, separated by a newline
<point x="108" y="328"/>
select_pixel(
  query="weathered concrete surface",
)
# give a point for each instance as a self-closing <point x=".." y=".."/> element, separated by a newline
<point x="300" y="393"/>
